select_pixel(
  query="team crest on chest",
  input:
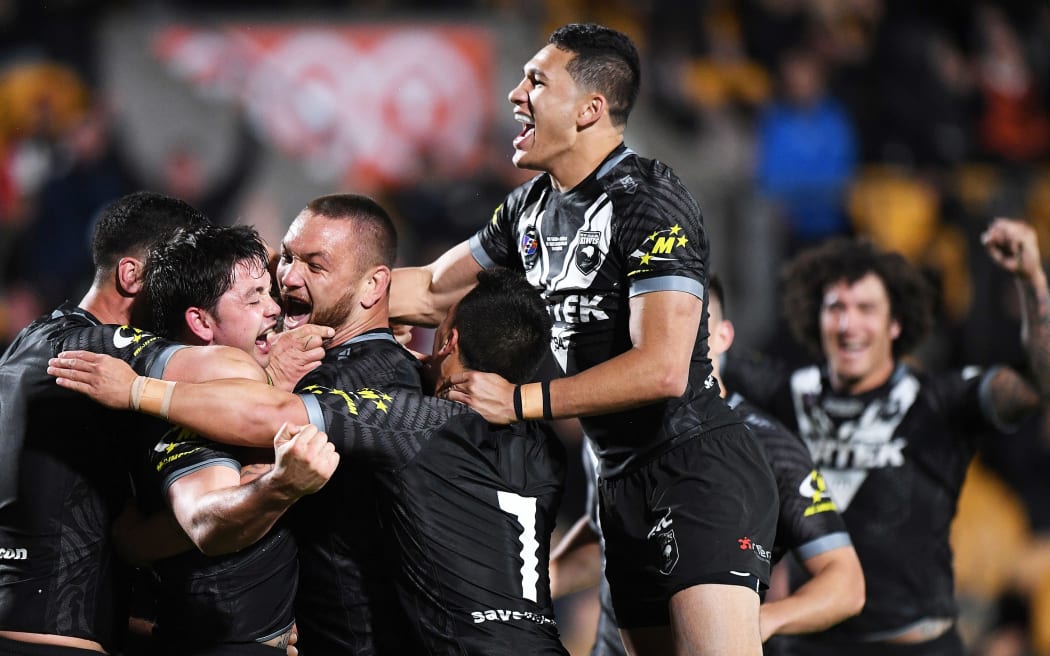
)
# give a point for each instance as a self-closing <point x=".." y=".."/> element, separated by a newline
<point x="588" y="255"/>
<point x="530" y="247"/>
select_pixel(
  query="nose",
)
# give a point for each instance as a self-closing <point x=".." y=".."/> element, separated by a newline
<point x="272" y="309"/>
<point x="517" y="95"/>
<point x="288" y="275"/>
<point x="843" y="321"/>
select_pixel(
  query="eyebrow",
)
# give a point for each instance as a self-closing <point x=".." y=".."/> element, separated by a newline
<point x="304" y="256"/>
<point x="534" y="71"/>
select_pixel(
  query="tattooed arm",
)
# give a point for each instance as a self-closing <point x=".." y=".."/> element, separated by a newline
<point x="1014" y="247"/>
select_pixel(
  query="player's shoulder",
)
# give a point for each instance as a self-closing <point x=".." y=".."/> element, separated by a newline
<point x="649" y="189"/>
<point x="639" y="176"/>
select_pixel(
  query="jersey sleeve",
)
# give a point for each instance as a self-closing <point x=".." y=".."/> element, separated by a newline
<point x="965" y="397"/>
<point x="145" y="352"/>
<point x="660" y="237"/>
<point x="181" y="452"/>
<point x="496" y="243"/>
<point x="386" y="427"/>
<point x="808" y="523"/>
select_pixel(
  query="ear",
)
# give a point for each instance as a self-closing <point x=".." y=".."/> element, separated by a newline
<point x="129" y="276"/>
<point x="377" y="287"/>
<point x="592" y="110"/>
<point x="451" y="344"/>
<point x="200" y="323"/>
<point x="895" y="329"/>
<point x="721" y="337"/>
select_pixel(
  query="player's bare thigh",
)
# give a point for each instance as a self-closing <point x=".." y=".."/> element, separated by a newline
<point x="706" y="620"/>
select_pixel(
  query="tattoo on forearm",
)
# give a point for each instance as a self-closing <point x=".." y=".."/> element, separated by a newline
<point x="1036" y="334"/>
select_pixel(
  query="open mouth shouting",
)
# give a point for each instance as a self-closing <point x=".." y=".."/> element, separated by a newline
<point x="296" y="312"/>
<point x="528" y="131"/>
<point x="262" y="342"/>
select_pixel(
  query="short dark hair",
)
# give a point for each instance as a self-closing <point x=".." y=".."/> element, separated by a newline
<point x="194" y="269"/>
<point x="130" y="225"/>
<point x="377" y="236"/>
<point x="504" y="326"/>
<point x="606" y="61"/>
<point x="807" y="277"/>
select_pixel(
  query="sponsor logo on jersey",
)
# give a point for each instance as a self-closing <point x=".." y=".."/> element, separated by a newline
<point x="588" y="255"/>
<point x="379" y="400"/>
<point x="125" y="336"/>
<point x="170" y="441"/>
<point x="578" y="308"/>
<point x="846" y="448"/>
<point x="814" y="488"/>
<point x="628" y="184"/>
<point x="747" y="544"/>
<point x="13" y="554"/>
<point x="662" y="537"/>
<point x="494" y="615"/>
<point x="658" y="247"/>
<point x="530" y="247"/>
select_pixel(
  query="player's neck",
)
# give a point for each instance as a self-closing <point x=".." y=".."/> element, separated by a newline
<point x="582" y="160"/>
<point x="107" y="305"/>
<point x="358" y="325"/>
<point x="718" y="378"/>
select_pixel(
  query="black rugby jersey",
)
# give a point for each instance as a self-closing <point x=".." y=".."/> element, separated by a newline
<point x="629" y="228"/>
<point x="469" y="507"/>
<point x="346" y="603"/>
<point x="246" y="596"/>
<point x="64" y="463"/>
<point x="894" y="460"/>
<point x="808" y="523"/>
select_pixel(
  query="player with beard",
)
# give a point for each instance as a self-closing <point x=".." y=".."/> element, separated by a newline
<point x="234" y="593"/>
<point x="467" y="507"/>
<point x="895" y="442"/>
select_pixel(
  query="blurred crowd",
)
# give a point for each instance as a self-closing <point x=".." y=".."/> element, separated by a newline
<point x="912" y="122"/>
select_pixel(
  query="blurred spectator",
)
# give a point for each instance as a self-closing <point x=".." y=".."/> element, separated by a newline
<point x="53" y="254"/>
<point x="806" y="153"/>
<point x="1014" y="124"/>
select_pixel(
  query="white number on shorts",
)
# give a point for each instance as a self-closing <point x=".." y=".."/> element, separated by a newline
<point x="524" y="510"/>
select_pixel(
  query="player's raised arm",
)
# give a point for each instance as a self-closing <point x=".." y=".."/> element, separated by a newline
<point x="1013" y="246"/>
<point x="422" y="295"/>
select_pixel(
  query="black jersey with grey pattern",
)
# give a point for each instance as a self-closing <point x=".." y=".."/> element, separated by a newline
<point x="345" y="603"/>
<point x="64" y="476"/>
<point x="244" y="596"/>
<point x="629" y="228"/>
<point x="470" y="508"/>
<point x="894" y="459"/>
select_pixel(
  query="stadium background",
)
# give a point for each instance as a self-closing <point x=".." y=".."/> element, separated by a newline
<point x="912" y="123"/>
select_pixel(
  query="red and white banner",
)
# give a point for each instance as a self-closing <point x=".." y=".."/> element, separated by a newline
<point x="365" y="104"/>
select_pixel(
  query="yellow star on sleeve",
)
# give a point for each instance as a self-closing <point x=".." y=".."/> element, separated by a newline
<point x="645" y="258"/>
<point x="676" y="229"/>
<point x="682" y="241"/>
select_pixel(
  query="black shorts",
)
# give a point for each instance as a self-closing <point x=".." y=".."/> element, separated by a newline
<point x="704" y="512"/>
